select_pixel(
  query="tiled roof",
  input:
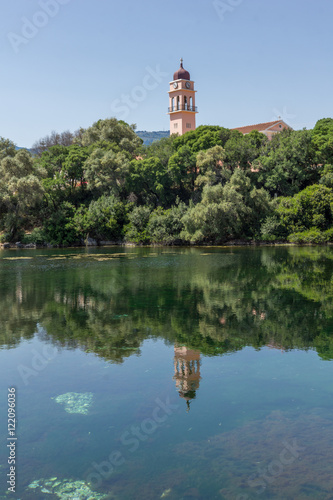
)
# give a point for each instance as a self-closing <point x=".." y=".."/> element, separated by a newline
<point x="259" y="126"/>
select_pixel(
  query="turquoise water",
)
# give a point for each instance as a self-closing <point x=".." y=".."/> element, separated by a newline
<point x="168" y="373"/>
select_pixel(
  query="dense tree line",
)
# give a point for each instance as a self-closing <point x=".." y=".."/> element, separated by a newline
<point x="210" y="185"/>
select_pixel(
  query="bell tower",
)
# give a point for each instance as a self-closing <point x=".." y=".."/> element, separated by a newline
<point x="182" y="107"/>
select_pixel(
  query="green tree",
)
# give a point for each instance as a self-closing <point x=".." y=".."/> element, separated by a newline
<point x="311" y="208"/>
<point x="148" y="180"/>
<point x="322" y="139"/>
<point x="114" y="131"/>
<point x="287" y="164"/>
<point x="241" y="150"/>
<point x="106" y="171"/>
<point x="162" y="149"/>
<point x="7" y="148"/>
<point x="104" y="219"/>
<point x="183" y="172"/>
<point x="231" y="211"/>
<point x="210" y="167"/>
<point x="204" y="137"/>
<point x="20" y="190"/>
<point x="136" y="229"/>
<point x="165" y="226"/>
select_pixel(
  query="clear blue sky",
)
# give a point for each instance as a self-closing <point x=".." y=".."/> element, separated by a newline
<point x="252" y="60"/>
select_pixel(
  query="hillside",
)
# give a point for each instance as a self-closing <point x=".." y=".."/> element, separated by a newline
<point x="149" y="137"/>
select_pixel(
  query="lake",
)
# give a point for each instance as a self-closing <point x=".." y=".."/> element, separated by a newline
<point x="176" y="373"/>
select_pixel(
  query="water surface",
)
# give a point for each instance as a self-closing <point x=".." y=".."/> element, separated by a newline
<point x="169" y="373"/>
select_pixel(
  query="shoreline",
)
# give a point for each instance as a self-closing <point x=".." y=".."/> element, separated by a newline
<point x="110" y="244"/>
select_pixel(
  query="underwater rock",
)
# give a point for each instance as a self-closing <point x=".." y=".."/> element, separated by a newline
<point x="67" y="489"/>
<point x="75" y="402"/>
<point x="285" y="455"/>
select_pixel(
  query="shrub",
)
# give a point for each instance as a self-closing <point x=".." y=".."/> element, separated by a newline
<point x="165" y="226"/>
<point x="59" y="228"/>
<point x="105" y="218"/>
<point x="136" y="230"/>
<point x="312" y="235"/>
<point x="36" y="236"/>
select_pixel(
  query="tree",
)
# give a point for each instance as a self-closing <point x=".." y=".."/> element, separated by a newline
<point x="204" y="137"/>
<point x="115" y="132"/>
<point x="162" y="149"/>
<point x="183" y="172"/>
<point x="7" y="148"/>
<point x="210" y="167"/>
<point x="65" y="138"/>
<point x="287" y="163"/>
<point x="241" y="150"/>
<point x="311" y="208"/>
<point x="165" y="226"/>
<point x="73" y="166"/>
<point x="105" y="219"/>
<point x="148" y="179"/>
<point x="322" y="139"/>
<point x="231" y="211"/>
<point x="106" y="171"/>
<point x="20" y="189"/>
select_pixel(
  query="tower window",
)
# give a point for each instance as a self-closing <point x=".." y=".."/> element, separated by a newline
<point x="188" y="125"/>
<point x="175" y="125"/>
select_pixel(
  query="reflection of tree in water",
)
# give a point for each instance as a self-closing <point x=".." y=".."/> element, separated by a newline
<point x="213" y="303"/>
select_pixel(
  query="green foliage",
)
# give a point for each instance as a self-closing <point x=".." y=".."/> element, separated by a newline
<point x="7" y="148"/>
<point x="183" y="172"/>
<point x="211" y="168"/>
<point x="326" y="176"/>
<point x="241" y="150"/>
<point x="136" y="230"/>
<point x="83" y="184"/>
<point x="148" y="180"/>
<point x="312" y="235"/>
<point x="204" y="137"/>
<point x="310" y="209"/>
<point x="104" y="219"/>
<point x="162" y="149"/>
<point x="322" y="139"/>
<point x="287" y="163"/>
<point x="114" y="131"/>
<point x="231" y="211"/>
<point x="165" y="226"/>
<point x="20" y="190"/>
<point x="106" y="171"/>
<point x="59" y="228"/>
<point x="37" y="236"/>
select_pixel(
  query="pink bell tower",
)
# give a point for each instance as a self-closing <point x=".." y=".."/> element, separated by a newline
<point x="182" y="107"/>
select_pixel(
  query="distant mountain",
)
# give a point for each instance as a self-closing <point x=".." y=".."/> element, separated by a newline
<point x="149" y="137"/>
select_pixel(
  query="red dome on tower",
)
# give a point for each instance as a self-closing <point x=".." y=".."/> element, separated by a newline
<point x="181" y="74"/>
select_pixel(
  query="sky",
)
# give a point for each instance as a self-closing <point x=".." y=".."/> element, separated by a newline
<point x="67" y="63"/>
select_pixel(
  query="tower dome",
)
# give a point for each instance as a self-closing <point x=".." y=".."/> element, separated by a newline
<point x="181" y="74"/>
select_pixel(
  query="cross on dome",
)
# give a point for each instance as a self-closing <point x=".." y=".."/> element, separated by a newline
<point x="181" y="74"/>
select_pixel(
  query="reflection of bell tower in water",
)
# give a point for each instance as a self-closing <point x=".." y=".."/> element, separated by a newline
<point x="187" y="373"/>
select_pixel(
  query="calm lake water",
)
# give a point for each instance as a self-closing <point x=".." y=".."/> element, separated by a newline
<point x="168" y="373"/>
